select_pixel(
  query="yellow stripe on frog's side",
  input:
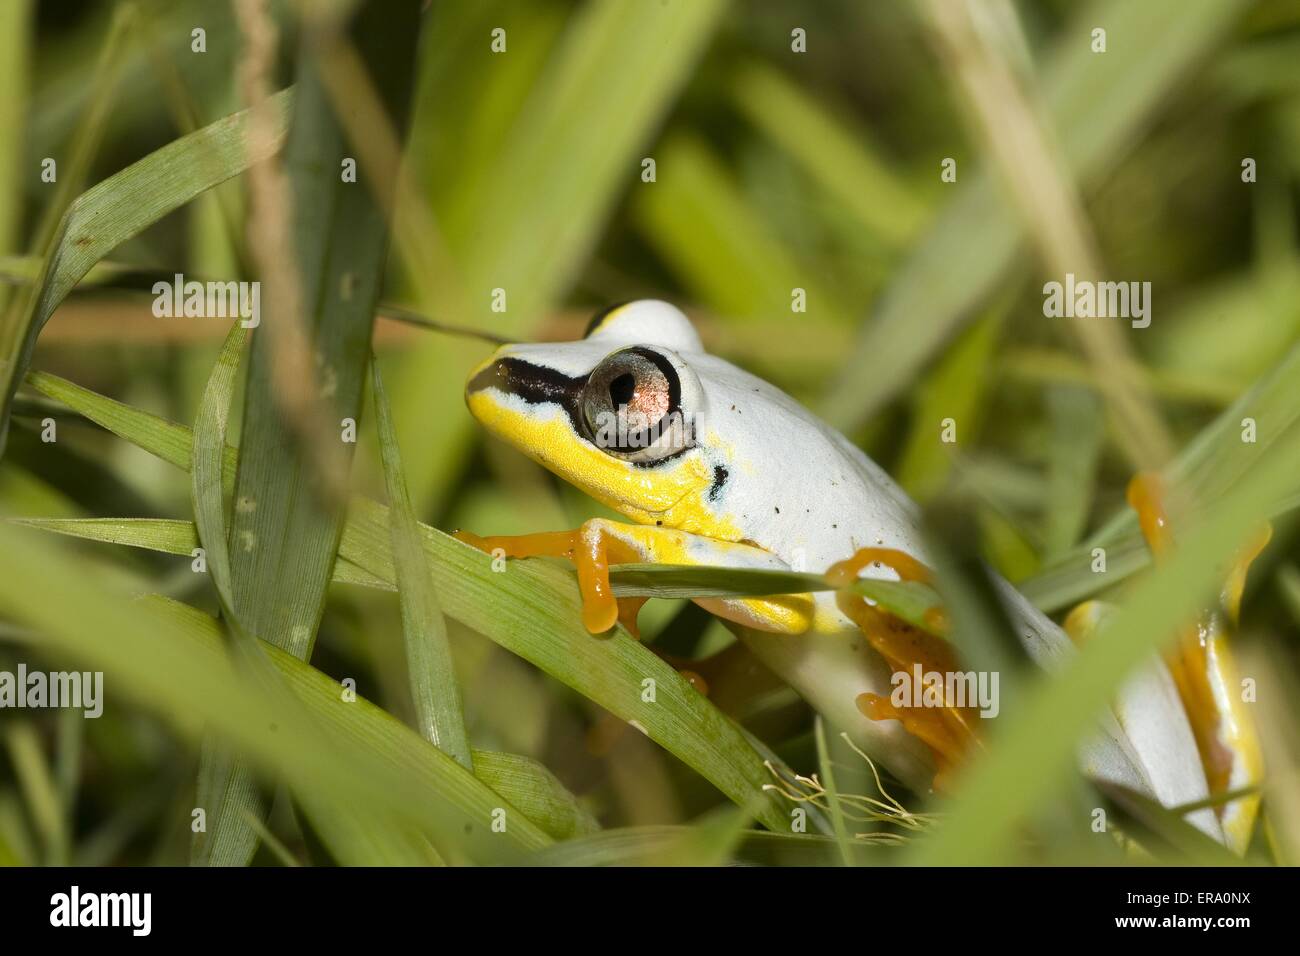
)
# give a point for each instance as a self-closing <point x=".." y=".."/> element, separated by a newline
<point x="785" y="614"/>
<point x="1236" y="732"/>
<point x="676" y="493"/>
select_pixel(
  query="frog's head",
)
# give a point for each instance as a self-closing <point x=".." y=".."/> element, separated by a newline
<point x="617" y="413"/>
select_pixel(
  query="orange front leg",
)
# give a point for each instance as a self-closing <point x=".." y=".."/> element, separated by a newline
<point x="590" y="548"/>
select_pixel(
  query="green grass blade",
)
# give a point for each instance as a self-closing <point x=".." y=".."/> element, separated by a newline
<point x="287" y="517"/>
<point x="832" y="792"/>
<point x="1209" y="465"/>
<point x="1096" y="104"/>
<point x="536" y="791"/>
<point x="1073" y="452"/>
<point x="839" y="156"/>
<point x="223" y="788"/>
<point x="957" y="388"/>
<point x="691" y="581"/>
<point x="206" y="494"/>
<point x="168" y="536"/>
<point x="109" y="213"/>
<point x="38" y="788"/>
<point x="699" y="222"/>
<point x="16" y="42"/>
<point x="645" y="845"/>
<point x="434" y="689"/>
<point x="170" y="657"/>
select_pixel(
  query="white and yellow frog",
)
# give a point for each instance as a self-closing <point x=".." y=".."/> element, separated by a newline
<point x="714" y="466"/>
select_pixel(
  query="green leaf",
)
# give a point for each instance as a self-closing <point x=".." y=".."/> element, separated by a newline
<point x="1073" y="452"/>
<point x="955" y="388"/>
<point x="692" y="581"/>
<point x="1096" y="105"/>
<point x="434" y="689"/>
<point x="287" y="516"/>
<point x="1208" y="466"/>
<point x="827" y="772"/>
<point x="839" y="155"/>
<point x="108" y="214"/>
<point x="16" y="41"/>
<point x="169" y="536"/>
<point x="223" y="783"/>
<point x="208" y="456"/>
<point x="536" y="791"/>
<point x="701" y="224"/>
<point x="639" y="846"/>
<point x="171" y="658"/>
<point x="1165" y="830"/>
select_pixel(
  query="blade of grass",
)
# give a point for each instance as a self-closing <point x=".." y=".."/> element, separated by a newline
<point x="207" y="457"/>
<point x="277" y="848"/>
<point x="109" y="213"/>
<point x="1073" y="452"/>
<point x="1208" y="466"/>
<point x="536" y="791"/>
<point x="978" y="54"/>
<point x="16" y="35"/>
<point x="169" y="536"/>
<point x="832" y="792"/>
<point x="640" y="846"/>
<point x="911" y="601"/>
<point x="91" y="126"/>
<point x="286" y="521"/>
<point x="701" y="224"/>
<point x="171" y="658"/>
<point x="432" y="677"/>
<point x="840" y="156"/>
<point x="1096" y="105"/>
<point x="39" y="790"/>
<point x="955" y="388"/>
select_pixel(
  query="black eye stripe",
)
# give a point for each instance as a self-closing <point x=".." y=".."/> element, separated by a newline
<point x="535" y="384"/>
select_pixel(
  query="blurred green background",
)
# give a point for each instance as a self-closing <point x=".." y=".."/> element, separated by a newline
<point x="775" y="170"/>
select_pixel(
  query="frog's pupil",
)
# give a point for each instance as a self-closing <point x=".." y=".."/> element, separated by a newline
<point x="622" y="389"/>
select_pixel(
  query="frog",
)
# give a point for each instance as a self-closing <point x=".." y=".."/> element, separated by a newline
<point x="714" y="466"/>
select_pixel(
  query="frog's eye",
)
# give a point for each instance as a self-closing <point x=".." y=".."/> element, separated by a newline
<point x="631" y="406"/>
